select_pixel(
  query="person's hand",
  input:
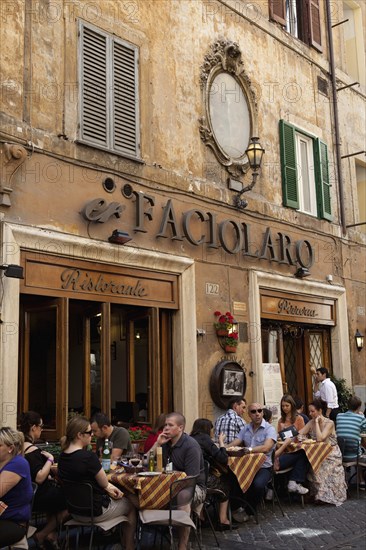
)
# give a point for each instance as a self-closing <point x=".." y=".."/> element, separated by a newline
<point x="48" y="455"/>
<point x="317" y="420"/>
<point x="113" y="491"/>
<point x="163" y="438"/>
<point x="222" y="438"/>
<point x="246" y="450"/>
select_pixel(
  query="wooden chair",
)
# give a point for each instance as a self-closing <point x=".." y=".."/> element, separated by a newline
<point x="181" y="496"/>
<point x="79" y="499"/>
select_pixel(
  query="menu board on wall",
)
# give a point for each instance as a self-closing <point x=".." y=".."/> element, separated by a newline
<point x="272" y="388"/>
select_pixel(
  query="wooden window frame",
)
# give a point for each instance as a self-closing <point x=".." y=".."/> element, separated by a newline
<point x="289" y="169"/>
<point x="308" y="18"/>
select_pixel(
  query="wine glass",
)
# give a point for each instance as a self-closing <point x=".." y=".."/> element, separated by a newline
<point x="135" y="461"/>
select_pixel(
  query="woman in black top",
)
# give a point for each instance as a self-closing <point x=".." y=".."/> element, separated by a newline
<point x="218" y="476"/>
<point x="49" y="497"/>
<point x="77" y="464"/>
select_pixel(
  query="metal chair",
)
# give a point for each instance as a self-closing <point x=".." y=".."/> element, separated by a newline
<point x="350" y="447"/>
<point x="79" y="499"/>
<point x="181" y="496"/>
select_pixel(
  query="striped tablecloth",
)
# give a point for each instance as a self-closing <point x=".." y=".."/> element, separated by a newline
<point x="245" y="467"/>
<point x="315" y="452"/>
<point x="153" y="492"/>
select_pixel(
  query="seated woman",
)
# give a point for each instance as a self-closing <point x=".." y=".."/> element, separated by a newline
<point x="328" y="484"/>
<point x="16" y="490"/>
<point x="77" y="464"/>
<point x="216" y="457"/>
<point x="153" y="435"/>
<point x="49" y="497"/>
<point x="289" y="415"/>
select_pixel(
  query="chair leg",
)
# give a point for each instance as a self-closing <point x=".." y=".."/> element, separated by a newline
<point x="211" y="526"/>
<point x="275" y="495"/>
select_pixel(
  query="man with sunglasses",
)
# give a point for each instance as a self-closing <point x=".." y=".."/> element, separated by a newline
<point x="257" y="437"/>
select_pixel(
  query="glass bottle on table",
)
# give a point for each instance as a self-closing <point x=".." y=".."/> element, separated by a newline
<point x="106" y="457"/>
<point x="151" y="462"/>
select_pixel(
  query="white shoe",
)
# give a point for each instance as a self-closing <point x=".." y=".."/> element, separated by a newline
<point x="269" y="495"/>
<point x="240" y="516"/>
<point x="294" y="487"/>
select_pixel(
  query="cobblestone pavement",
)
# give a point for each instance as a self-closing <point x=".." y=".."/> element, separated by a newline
<point x="315" y="526"/>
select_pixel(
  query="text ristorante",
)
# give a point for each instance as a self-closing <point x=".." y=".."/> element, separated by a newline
<point x="76" y="279"/>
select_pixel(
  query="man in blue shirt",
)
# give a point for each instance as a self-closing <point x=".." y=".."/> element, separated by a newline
<point x="257" y="437"/>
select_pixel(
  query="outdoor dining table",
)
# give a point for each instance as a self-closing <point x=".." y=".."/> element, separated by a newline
<point x="245" y="467"/>
<point x="316" y="451"/>
<point x="153" y="491"/>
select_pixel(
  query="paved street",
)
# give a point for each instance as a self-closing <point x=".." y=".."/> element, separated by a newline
<point x="315" y="526"/>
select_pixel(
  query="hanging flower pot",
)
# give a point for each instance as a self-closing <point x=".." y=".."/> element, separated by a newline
<point x="222" y="332"/>
<point x="230" y="349"/>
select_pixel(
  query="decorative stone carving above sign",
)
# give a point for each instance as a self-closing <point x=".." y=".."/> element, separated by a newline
<point x="11" y="157"/>
<point x="229" y="104"/>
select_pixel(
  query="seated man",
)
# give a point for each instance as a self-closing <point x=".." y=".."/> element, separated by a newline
<point x="258" y="437"/>
<point x="118" y="437"/>
<point x="185" y="454"/>
<point x="231" y="422"/>
<point x="350" y="425"/>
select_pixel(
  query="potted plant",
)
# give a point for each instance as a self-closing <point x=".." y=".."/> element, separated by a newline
<point x="224" y="323"/>
<point x="138" y="434"/>
<point x="231" y="342"/>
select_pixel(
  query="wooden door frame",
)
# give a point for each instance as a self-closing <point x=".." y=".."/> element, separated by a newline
<point x="61" y="359"/>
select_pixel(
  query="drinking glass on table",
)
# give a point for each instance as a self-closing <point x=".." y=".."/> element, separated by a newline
<point x="135" y="461"/>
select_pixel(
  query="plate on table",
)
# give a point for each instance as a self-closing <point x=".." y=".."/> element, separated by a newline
<point x="235" y="451"/>
<point x="149" y="474"/>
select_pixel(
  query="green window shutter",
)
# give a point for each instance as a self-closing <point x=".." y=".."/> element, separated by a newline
<point x="288" y="165"/>
<point x="93" y="87"/>
<point x="322" y="180"/>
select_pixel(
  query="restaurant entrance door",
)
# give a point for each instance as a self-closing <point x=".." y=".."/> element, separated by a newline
<point x="80" y="357"/>
<point x="300" y="350"/>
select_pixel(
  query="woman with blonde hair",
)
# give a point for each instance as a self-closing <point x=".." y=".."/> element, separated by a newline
<point x="16" y="490"/>
<point x="77" y="464"/>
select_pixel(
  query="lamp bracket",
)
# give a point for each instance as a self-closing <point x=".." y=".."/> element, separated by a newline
<point x="240" y="203"/>
<point x="11" y="157"/>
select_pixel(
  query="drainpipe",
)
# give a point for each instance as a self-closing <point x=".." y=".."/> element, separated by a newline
<point x="336" y="120"/>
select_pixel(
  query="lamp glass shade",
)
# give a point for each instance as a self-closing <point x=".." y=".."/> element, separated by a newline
<point x="359" y="340"/>
<point x="255" y="153"/>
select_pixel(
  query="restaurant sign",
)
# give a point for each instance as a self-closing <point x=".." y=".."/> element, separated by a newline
<point x="276" y="305"/>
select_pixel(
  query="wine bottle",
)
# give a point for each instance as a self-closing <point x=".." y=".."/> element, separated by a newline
<point x="151" y="462"/>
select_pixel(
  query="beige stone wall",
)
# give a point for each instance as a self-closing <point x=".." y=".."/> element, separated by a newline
<point x="39" y="105"/>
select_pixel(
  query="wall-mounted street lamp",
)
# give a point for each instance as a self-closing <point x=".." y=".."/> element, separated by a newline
<point x="359" y="340"/>
<point x="255" y="154"/>
<point x="13" y="271"/>
<point x="119" y="237"/>
<point x="302" y="272"/>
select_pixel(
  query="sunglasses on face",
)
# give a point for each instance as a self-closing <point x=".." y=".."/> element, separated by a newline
<point x="253" y="411"/>
<point x="89" y="432"/>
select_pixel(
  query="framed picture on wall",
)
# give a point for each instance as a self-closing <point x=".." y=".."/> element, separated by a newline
<point x="232" y="382"/>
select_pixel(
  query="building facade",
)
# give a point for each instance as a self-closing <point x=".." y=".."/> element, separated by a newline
<point x="124" y="133"/>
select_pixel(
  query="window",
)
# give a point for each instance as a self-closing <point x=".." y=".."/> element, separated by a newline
<point x="354" y="41"/>
<point x="305" y="172"/>
<point x="108" y="77"/>
<point x="301" y="18"/>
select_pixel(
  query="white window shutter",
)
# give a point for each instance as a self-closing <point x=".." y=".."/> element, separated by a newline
<point x="125" y="99"/>
<point x="93" y="92"/>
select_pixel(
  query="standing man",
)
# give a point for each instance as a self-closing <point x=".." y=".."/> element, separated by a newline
<point x="327" y="392"/>
<point x="185" y="454"/>
<point x="118" y="437"/>
<point x="258" y="437"/>
<point x="231" y="422"/>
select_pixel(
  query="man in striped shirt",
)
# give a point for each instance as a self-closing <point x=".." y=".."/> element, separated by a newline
<point x="350" y="425"/>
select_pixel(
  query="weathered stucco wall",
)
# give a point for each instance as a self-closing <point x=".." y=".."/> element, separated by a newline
<point x="39" y="106"/>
